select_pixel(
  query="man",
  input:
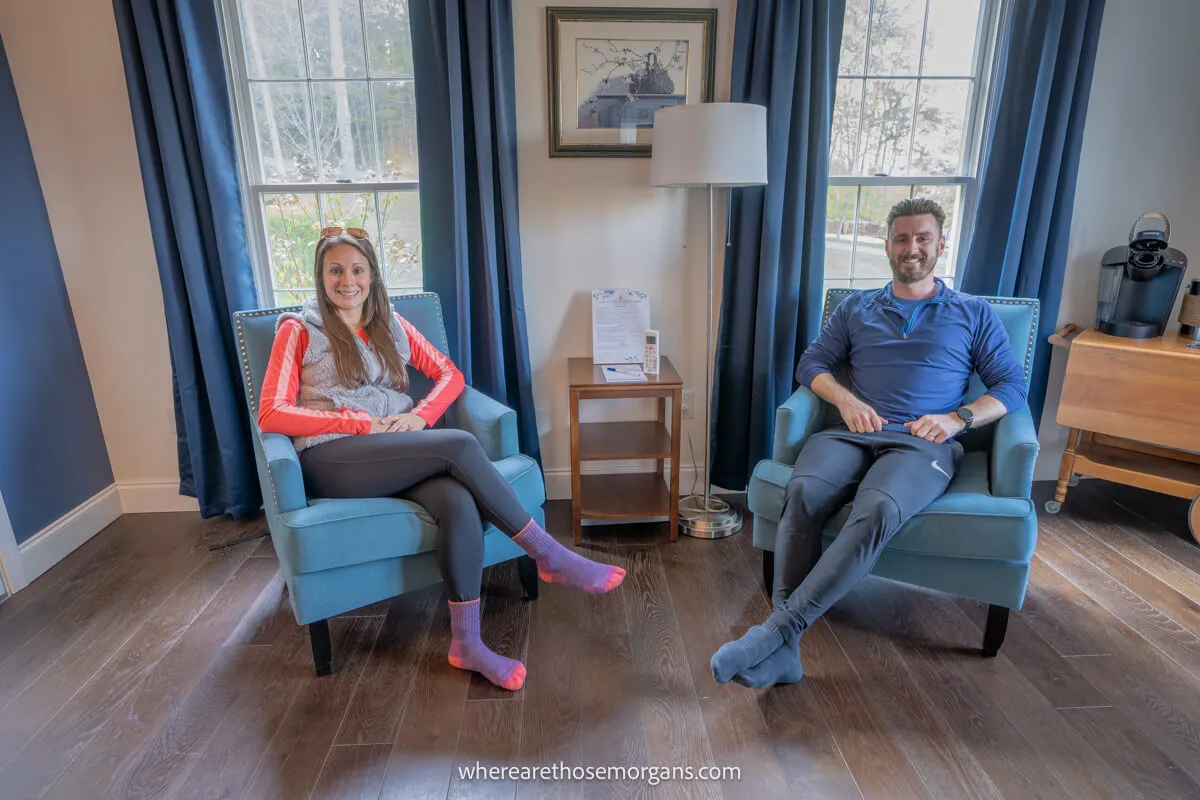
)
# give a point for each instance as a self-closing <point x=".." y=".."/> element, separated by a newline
<point x="910" y="348"/>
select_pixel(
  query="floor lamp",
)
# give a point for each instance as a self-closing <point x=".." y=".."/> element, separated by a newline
<point x="714" y="145"/>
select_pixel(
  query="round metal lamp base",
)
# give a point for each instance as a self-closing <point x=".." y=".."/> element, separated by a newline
<point x="716" y="521"/>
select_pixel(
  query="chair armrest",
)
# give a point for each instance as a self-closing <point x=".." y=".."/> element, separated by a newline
<point x="283" y="465"/>
<point x="1014" y="451"/>
<point x="800" y="416"/>
<point x="492" y="423"/>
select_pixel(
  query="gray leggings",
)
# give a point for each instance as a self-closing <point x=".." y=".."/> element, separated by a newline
<point x="444" y="471"/>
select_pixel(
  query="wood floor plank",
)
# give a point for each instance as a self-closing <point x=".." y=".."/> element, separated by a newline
<point x="504" y="626"/>
<point x="46" y="754"/>
<point x="671" y="716"/>
<point x="934" y="660"/>
<point x="274" y="679"/>
<point x="1154" y="692"/>
<point x="1078" y="768"/>
<point x="611" y="734"/>
<point x="708" y="590"/>
<point x="421" y="760"/>
<point x="489" y="738"/>
<point x="943" y="762"/>
<point x="353" y="772"/>
<point x="104" y="762"/>
<point x="389" y="674"/>
<point x="1166" y="634"/>
<point x="293" y="760"/>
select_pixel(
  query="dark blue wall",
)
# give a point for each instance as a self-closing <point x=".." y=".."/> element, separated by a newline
<point x="52" y="452"/>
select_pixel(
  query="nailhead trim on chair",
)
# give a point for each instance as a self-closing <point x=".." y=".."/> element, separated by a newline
<point x="833" y="297"/>
<point x="263" y="312"/>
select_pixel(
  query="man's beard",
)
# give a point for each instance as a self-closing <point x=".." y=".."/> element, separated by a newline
<point x="912" y="273"/>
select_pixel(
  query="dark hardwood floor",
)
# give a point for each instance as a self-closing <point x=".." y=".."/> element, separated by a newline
<point x="145" y="665"/>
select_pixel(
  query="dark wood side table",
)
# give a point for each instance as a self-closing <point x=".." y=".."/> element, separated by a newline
<point x="631" y="494"/>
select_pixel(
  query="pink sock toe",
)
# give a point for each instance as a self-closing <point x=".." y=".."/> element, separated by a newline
<point x="557" y="564"/>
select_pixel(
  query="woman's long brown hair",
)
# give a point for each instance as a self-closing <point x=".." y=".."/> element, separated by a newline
<point x="348" y="365"/>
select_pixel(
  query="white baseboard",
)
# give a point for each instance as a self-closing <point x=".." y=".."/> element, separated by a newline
<point x="558" y="481"/>
<point x="147" y="497"/>
<point x="59" y="539"/>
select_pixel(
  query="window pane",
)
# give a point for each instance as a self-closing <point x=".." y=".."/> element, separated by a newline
<point x="844" y="134"/>
<point x="896" y="27"/>
<point x="854" y="38"/>
<point x="396" y="113"/>
<point x="281" y="117"/>
<point x="950" y="40"/>
<point x="272" y="40"/>
<point x="941" y="126"/>
<point x="352" y="210"/>
<point x="887" y="126"/>
<point x="333" y="29"/>
<point x="345" y="140"/>
<point x="869" y="283"/>
<point x="401" y="250"/>
<point x="293" y="225"/>
<point x="870" y="261"/>
<point x="389" y="44"/>
<point x="948" y="197"/>
<point x="839" y="230"/>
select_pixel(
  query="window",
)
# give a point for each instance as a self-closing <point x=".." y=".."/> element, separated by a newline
<point x="906" y="121"/>
<point x="326" y="116"/>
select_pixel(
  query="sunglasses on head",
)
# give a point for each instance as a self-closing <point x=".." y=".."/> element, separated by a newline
<point x="337" y="230"/>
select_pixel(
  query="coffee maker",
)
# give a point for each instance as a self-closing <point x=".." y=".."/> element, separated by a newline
<point x="1139" y="282"/>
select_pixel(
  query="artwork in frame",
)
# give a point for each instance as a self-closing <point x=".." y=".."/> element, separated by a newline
<point x="610" y="69"/>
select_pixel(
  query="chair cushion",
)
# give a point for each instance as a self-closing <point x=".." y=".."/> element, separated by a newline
<point x="336" y="533"/>
<point x="965" y="522"/>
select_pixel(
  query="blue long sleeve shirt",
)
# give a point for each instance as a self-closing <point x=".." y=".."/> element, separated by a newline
<point x="906" y="365"/>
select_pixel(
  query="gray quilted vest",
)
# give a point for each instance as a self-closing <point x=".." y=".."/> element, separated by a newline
<point x="318" y="381"/>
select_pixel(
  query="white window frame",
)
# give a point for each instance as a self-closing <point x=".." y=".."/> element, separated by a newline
<point x="250" y="166"/>
<point x="987" y="35"/>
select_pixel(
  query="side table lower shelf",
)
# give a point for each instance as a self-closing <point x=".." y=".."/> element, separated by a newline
<point x="625" y="495"/>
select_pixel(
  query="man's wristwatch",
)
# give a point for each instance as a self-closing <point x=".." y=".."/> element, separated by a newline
<point x="967" y="417"/>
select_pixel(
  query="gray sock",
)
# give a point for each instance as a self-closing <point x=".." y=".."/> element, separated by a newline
<point x="741" y="654"/>
<point x="782" y="666"/>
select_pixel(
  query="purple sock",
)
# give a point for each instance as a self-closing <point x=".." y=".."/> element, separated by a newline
<point x="557" y="564"/>
<point x="467" y="650"/>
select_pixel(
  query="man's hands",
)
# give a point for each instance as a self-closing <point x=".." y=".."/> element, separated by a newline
<point x="859" y="416"/>
<point x="936" y="428"/>
<point x="397" y="422"/>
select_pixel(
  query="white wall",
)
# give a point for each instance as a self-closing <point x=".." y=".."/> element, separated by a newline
<point x="66" y="65"/>
<point x="1139" y="154"/>
<point x="590" y="223"/>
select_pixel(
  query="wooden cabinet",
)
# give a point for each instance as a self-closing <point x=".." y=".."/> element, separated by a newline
<point x="1132" y="409"/>
<point x="624" y="495"/>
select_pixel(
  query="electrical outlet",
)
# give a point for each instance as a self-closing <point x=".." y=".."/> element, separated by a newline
<point x="688" y="405"/>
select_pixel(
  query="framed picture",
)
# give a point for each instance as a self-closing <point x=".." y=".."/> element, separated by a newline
<point x="610" y="69"/>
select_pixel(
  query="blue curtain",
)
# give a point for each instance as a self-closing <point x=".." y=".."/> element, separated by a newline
<point x="1031" y="161"/>
<point x="785" y="57"/>
<point x="467" y="145"/>
<point x="185" y="140"/>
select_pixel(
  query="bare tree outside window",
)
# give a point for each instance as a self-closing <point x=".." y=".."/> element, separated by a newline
<point x="326" y="112"/>
<point x="910" y="93"/>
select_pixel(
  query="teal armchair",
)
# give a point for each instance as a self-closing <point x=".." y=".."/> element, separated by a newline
<point x="974" y="541"/>
<point x="341" y="554"/>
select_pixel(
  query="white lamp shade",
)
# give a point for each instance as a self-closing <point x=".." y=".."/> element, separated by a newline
<point x="703" y="144"/>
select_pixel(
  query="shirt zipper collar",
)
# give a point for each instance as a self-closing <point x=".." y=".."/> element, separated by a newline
<point x="941" y="297"/>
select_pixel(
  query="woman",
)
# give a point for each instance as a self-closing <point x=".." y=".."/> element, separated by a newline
<point x="345" y="355"/>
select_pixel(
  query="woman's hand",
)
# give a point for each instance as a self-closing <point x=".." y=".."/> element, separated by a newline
<point x="397" y="422"/>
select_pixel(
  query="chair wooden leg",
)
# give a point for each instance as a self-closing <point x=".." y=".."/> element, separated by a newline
<point x="769" y="571"/>
<point x="993" y="634"/>
<point x="527" y="568"/>
<point x="322" y="647"/>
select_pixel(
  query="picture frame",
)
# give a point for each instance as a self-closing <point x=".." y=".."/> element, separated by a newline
<point x="610" y="69"/>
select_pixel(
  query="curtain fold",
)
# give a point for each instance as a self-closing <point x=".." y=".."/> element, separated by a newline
<point x="1032" y="140"/>
<point x="184" y="128"/>
<point x="785" y="57"/>
<point x="467" y="145"/>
